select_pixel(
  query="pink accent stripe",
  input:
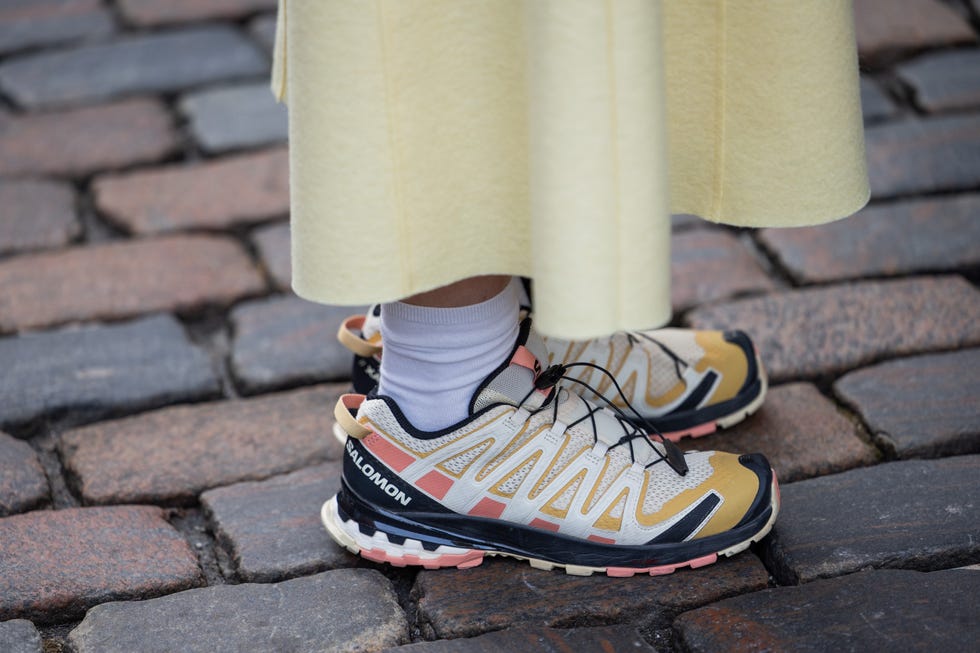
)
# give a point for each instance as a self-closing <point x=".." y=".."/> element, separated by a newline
<point x="388" y="453"/>
<point x="352" y="400"/>
<point x="601" y="540"/>
<point x="488" y="508"/>
<point x="695" y="432"/>
<point x="458" y="560"/>
<point x="525" y="358"/>
<point x="435" y="484"/>
<point x="546" y="525"/>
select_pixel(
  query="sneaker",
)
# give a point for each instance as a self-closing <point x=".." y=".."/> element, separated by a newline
<point x="684" y="383"/>
<point x="541" y="474"/>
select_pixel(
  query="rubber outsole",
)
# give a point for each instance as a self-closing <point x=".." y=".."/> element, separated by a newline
<point x="379" y="548"/>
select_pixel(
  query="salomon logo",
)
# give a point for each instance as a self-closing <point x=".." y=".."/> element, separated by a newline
<point x="375" y="476"/>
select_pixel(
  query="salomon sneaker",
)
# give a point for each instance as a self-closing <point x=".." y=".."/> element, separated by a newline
<point x="538" y="473"/>
<point x="685" y="383"/>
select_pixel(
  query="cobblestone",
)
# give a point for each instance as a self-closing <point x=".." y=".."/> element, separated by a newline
<point x="81" y="141"/>
<point x="158" y="62"/>
<point x="273" y="244"/>
<point x="235" y="117"/>
<point x="208" y="445"/>
<point x="822" y="331"/>
<point x="212" y="195"/>
<point x="96" y="370"/>
<point x="147" y="13"/>
<point x="919" y="406"/>
<point x="251" y="521"/>
<point x="883" y="240"/>
<point x="55" y="564"/>
<point x="263" y="29"/>
<point x="123" y="279"/>
<point x="609" y="639"/>
<point x="23" y="484"/>
<point x="458" y="604"/>
<point x="910" y="514"/>
<point x="51" y="22"/>
<point x="800" y="431"/>
<point x="710" y="264"/>
<point x="343" y="610"/>
<point x="945" y="81"/>
<point x="287" y="341"/>
<point x="875" y="105"/>
<point x="19" y="636"/>
<point x="36" y="214"/>
<point x="886" y="27"/>
<point x="869" y="611"/>
<point x="922" y="156"/>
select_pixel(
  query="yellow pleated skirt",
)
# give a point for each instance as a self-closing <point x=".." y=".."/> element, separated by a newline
<point x="432" y="140"/>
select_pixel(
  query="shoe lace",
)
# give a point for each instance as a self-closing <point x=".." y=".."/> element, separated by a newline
<point x="635" y="429"/>
<point x="634" y="337"/>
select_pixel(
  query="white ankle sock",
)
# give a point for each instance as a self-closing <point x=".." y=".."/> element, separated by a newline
<point x="434" y="358"/>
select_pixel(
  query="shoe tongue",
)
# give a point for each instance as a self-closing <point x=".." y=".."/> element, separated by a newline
<point x="514" y="382"/>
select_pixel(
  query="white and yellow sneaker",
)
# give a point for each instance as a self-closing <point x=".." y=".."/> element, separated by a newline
<point x="539" y="473"/>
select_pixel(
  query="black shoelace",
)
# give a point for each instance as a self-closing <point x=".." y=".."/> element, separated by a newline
<point x="635" y="429"/>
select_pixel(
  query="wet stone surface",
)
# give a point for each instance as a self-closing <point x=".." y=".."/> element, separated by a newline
<point x="23" y="484"/>
<point x="288" y="340"/>
<point x="36" y="214"/>
<point x="710" y="264"/>
<point x="272" y="528"/>
<point x="123" y="279"/>
<point x="883" y="240"/>
<point x="800" y="431"/>
<point x="19" y="636"/>
<point x="158" y="62"/>
<point x="342" y="610"/>
<point x="910" y="514"/>
<point x="208" y="445"/>
<point x="234" y="117"/>
<point x="103" y="554"/>
<point x="922" y="156"/>
<point x="608" y="639"/>
<point x="98" y="370"/>
<point x="920" y="406"/>
<point x="822" y="331"/>
<point x="869" y="611"/>
<point x="198" y="196"/>
<point x="81" y="141"/>
<point x="458" y="603"/>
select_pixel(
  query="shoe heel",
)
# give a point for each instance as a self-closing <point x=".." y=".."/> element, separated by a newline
<point x="380" y="548"/>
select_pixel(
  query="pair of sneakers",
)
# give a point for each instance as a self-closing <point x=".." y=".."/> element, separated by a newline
<point x="566" y="460"/>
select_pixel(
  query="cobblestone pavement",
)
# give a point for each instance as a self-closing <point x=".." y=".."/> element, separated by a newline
<point x="165" y="401"/>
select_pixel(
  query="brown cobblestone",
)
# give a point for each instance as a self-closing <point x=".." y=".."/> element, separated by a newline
<point x="885" y="27"/>
<point x="457" y="604"/>
<point x="36" y="214"/>
<point x="56" y="564"/>
<point x="801" y="433"/>
<point x="883" y="240"/>
<point x="918" y="156"/>
<point x="868" y="611"/>
<point x="23" y="483"/>
<point x="207" y="445"/>
<point x="122" y="279"/>
<point x="211" y="195"/>
<point x="273" y="245"/>
<point x="818" y="331"/>
<point x="85" y="140"/>
<point x="920" y="406"/>
<point x="146" y="13"/>
<point x="710" y="264"/>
